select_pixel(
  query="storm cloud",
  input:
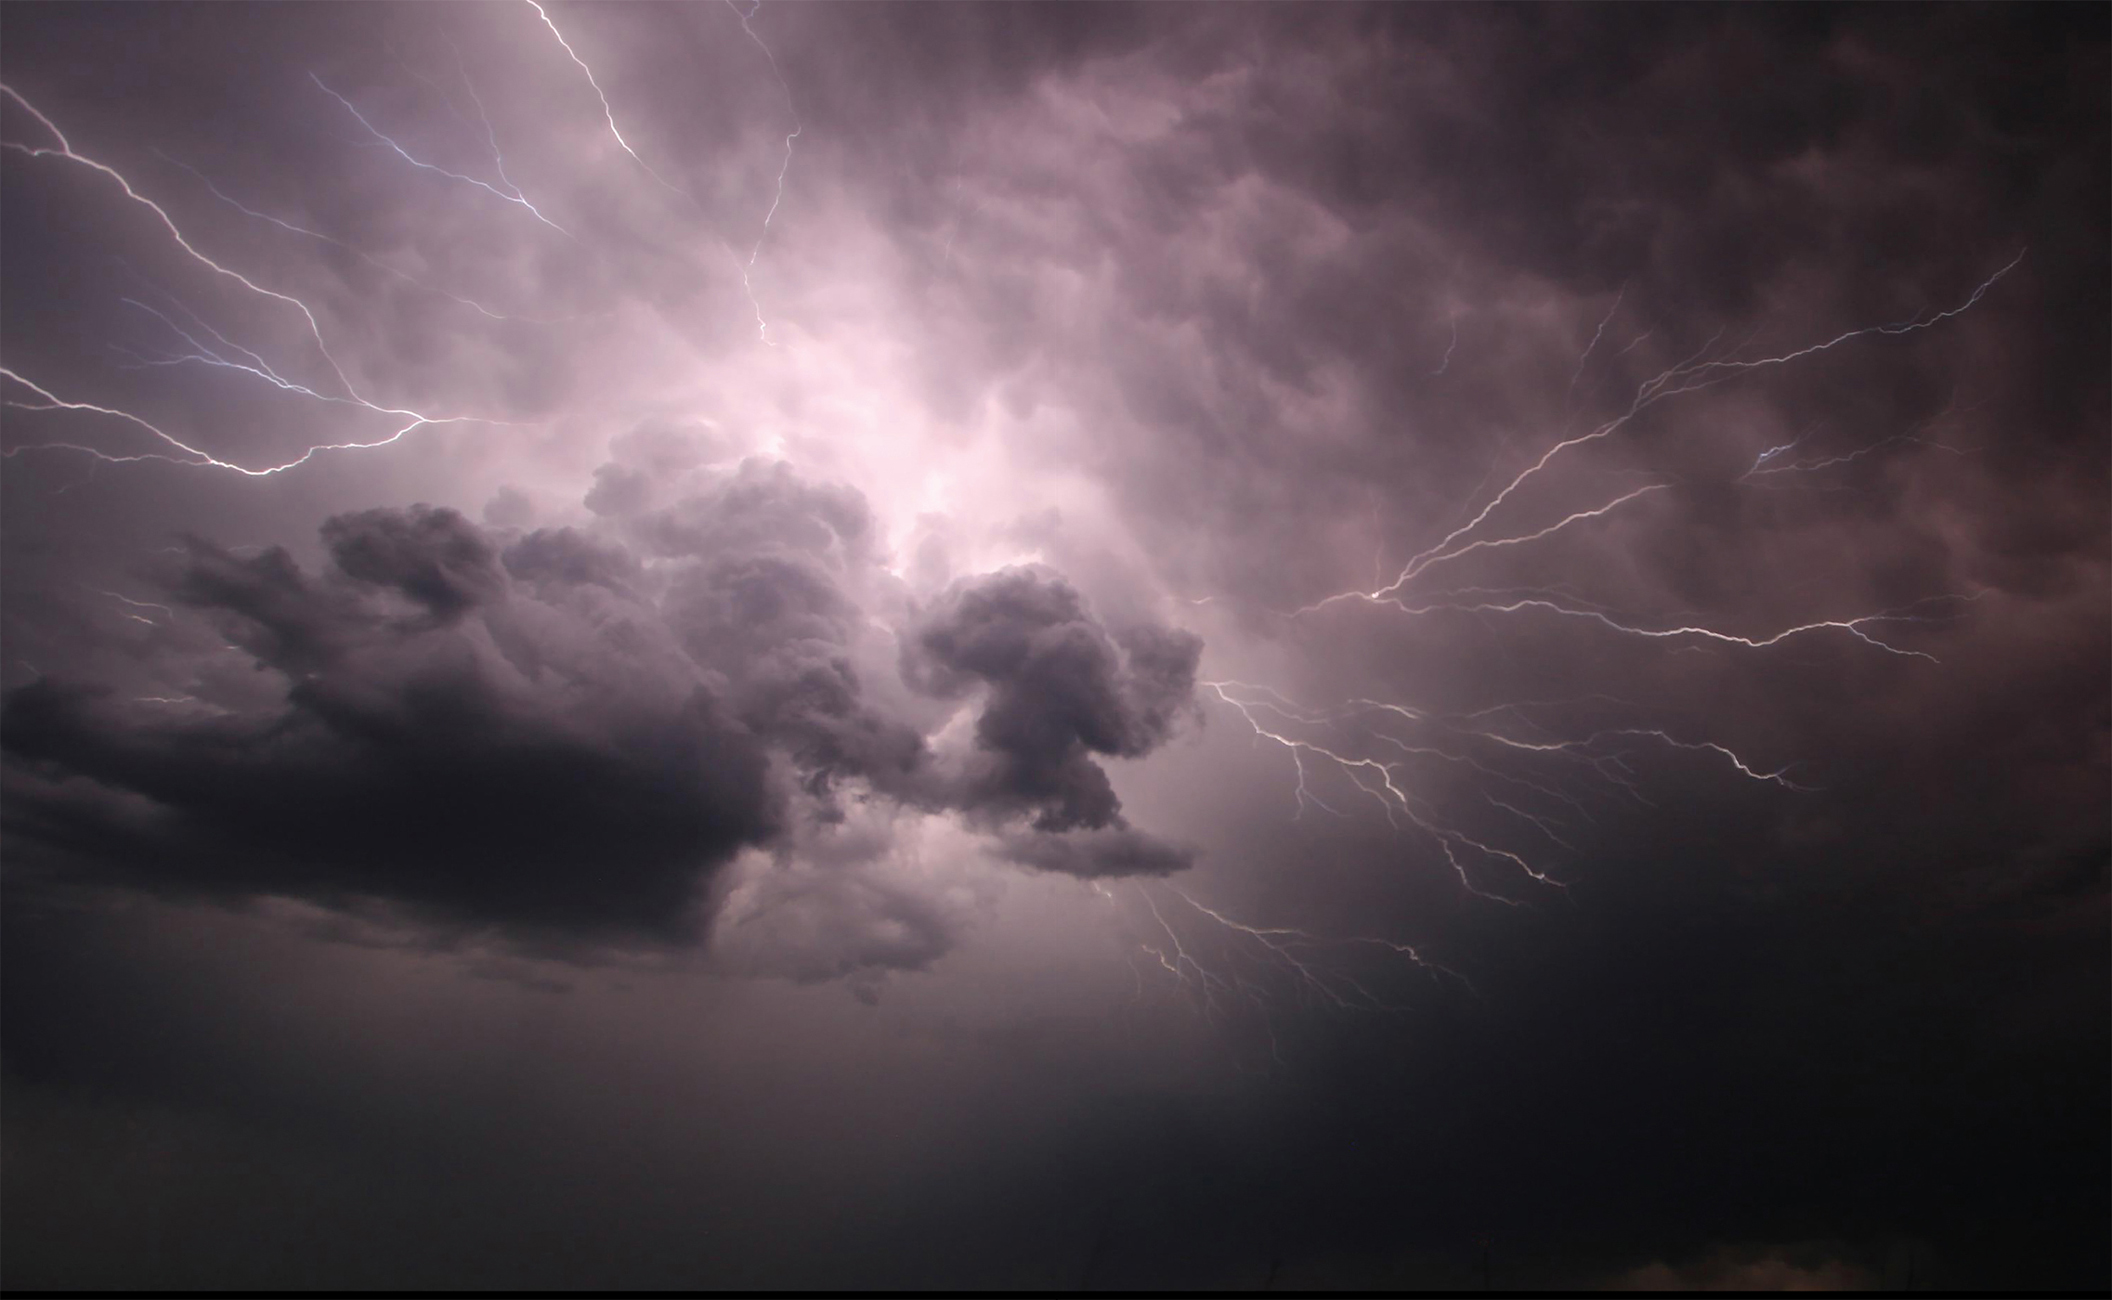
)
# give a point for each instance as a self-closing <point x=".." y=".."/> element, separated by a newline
<point x="1061" y="690"/>
<point x="1056" y="646"/>
<point x="506" y="752"/>
<point x="553" y="731"/>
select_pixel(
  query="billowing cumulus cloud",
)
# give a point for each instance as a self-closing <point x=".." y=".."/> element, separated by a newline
<point x="533" y="752"/>
<point x="553" y="730"/>
<point x="1060" y="690"/>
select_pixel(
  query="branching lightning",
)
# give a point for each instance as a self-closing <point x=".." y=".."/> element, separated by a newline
<point x="191" y="455"/>
<point x="1771" y="465"/>
<point x="368" y="258"/>
<point x="65" y="151"/>
<point x="1687" y="377"/>
<point x="1525" y="777"/>
<point x="1530" y="782"/>
<point x="253" y="365"/>
<point x="744" y="266"/>
<point x="510" y="194"/>
<point x="1226" y="966"/>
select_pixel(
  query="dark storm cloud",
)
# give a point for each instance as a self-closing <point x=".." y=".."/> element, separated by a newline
<point x="771" y="597"/>
<point x="1061" y="690"/>
<point x="548" y="733"/>
<point x="449" y="759"/>
<point x="1218" y="312"/>
<point x="435" y="557"/>
<point x="568" y="557"/>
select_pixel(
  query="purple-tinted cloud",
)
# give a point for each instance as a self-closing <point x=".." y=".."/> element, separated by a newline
<point x="1357" y="631"/>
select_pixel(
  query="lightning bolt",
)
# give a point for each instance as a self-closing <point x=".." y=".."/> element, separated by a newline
<point x="491" y="134"/>
<point x="1390" y="753"/>
<point x="65" y="151"/>
<point x="255" y="364"/>
<point x="191" y="455"/>
<point x="762" y="327"/>
<point x="1225" y="966"/>
<point x="1686" y="377"/>
<point x="204" y="355"/>
<point x="510" y="194"/>
<point x="1291" y="949"/>
<point x="1764" y="465"/>
<point x="609" y="114"/>
<point x="1533" y="780"/>
<point x="745" y="267"/>
<point x="1596" y="335"/>
<point x="333" y="241"/>
<point x="1374" y="778"/>
<point x="1848" y="458"/>
<point x="137" y="604"/>
<point x="1445" y="363"/>
<point x="1430" y="560"/>
<point x="1448" y="742"/>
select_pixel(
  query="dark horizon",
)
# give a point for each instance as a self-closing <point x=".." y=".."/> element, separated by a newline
<point x="1040" y="646"/>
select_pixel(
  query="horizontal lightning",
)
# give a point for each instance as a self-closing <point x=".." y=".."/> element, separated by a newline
<point x="1686" y="377"/>
<point x="191" y="455"/>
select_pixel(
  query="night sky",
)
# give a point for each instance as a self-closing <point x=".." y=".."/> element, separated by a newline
<point x="1055" y="646"/>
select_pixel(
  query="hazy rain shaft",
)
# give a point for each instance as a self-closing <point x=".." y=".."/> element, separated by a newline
<point x="1050" y="646"/>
